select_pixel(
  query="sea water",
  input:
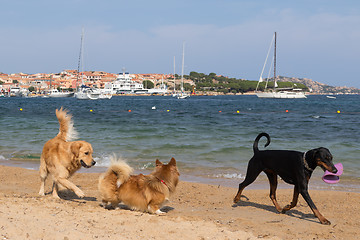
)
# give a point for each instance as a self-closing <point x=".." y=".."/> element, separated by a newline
<point x="211" y="137"/>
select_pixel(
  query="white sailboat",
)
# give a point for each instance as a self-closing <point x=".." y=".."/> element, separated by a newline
<point x="161" y="90"/>
<point x="276" y="92"/>
<point x="84" y="92"/>
<point x="182" y="94"/>
<point x="174" y="93"/>
<point x="87" y="93"/>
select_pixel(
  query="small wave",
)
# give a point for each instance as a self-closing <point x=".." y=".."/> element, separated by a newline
<point x="147" y="165"/>
<point x="103" y="160"/>
<point x="32" y="168"/>
<point x="2" y="158"/>
<point x="229" y="176"/>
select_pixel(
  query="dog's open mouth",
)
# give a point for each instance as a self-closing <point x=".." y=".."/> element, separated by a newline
<point x="323" y="168"/>
<point x="84" y="164"/>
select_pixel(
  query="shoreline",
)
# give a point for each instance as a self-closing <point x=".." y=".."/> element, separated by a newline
<point x="345" y="184"/>
<point x="195" y="211"/>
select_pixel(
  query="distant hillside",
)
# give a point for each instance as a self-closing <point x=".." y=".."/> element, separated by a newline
<point x="320" y="88"/>
<point x="217" y="83"/>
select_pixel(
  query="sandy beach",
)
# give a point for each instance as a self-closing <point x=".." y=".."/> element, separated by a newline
<point x="195" y="211"/>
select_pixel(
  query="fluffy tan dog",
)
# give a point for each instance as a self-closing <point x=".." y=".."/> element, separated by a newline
<point x="139" y="192"/>
<point x="61" y="157"/>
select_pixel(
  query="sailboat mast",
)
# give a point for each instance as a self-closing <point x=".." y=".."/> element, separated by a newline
<point x="50" y="81"/>
<point x="275" y="62"/>
<point x="174" y="77"/>
<point x="80" y="57"/>
<point x="262" y="71"/>
<point x="182" y="69"/>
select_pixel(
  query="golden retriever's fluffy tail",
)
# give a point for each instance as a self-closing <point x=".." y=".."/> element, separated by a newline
<point x="67" y="131"/>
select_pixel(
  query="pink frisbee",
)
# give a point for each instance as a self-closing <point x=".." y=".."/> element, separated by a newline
<point x="332" y="178"/>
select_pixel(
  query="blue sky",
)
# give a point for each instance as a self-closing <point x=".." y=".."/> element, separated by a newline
<point x="317" y="39"/>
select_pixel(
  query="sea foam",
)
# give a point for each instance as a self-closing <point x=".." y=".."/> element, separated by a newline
<point x="229" y="175"/>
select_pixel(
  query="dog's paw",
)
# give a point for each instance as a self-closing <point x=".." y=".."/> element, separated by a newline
<point x="236" y="199"/>
<point x="285" y="209"/>
<point x="325" y="222"/>
<point x="159" y="212"/>
<point x="80" y="194"/>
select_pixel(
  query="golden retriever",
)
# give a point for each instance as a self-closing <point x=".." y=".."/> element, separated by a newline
<point x="61" y="157"/>
<point x="140" y="192"/>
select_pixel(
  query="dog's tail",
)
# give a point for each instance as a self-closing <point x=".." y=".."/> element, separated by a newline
<point x="255" y="146"/>
<point x="120" y="169"/>
<point x="67" y="131"/>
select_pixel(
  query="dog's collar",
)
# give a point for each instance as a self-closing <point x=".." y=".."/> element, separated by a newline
<point x="306" y="165"/>
<point x="162" y="181"/>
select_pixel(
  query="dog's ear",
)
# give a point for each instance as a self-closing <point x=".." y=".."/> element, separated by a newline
<point x="172" y="162"/>
<point x="158" y="163"/>
<point x="311" y="153"/>
<point x="75" y="148"/>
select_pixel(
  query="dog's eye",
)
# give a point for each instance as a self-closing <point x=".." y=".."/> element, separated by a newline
<point x="87" y="153"/>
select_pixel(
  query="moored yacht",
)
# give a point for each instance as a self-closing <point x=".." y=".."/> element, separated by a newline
<point x="87" y="93"/>
<point x="277" y="92"/>
<point x="54" y="93"/>
<point x="125" y="85"/>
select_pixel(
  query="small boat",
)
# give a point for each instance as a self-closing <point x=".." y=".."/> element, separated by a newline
<point x="15" y="92"/>
<point x="104" y="94"/>
<point x="54" y="93"/>
<point x="332" y="97"/>
<point x="183" y="96"/>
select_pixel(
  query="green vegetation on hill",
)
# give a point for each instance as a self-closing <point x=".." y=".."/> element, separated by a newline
<point x="148" y="84"/>
<point x="212" y="82"/>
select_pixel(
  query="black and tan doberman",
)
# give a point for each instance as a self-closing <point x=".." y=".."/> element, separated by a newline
<point x="293" y="167"/>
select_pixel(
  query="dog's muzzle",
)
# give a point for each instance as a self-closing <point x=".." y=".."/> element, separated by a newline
<point x="87" y="166"/>
<point x="330" y="168"/>
<point x="334" y="170"/>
